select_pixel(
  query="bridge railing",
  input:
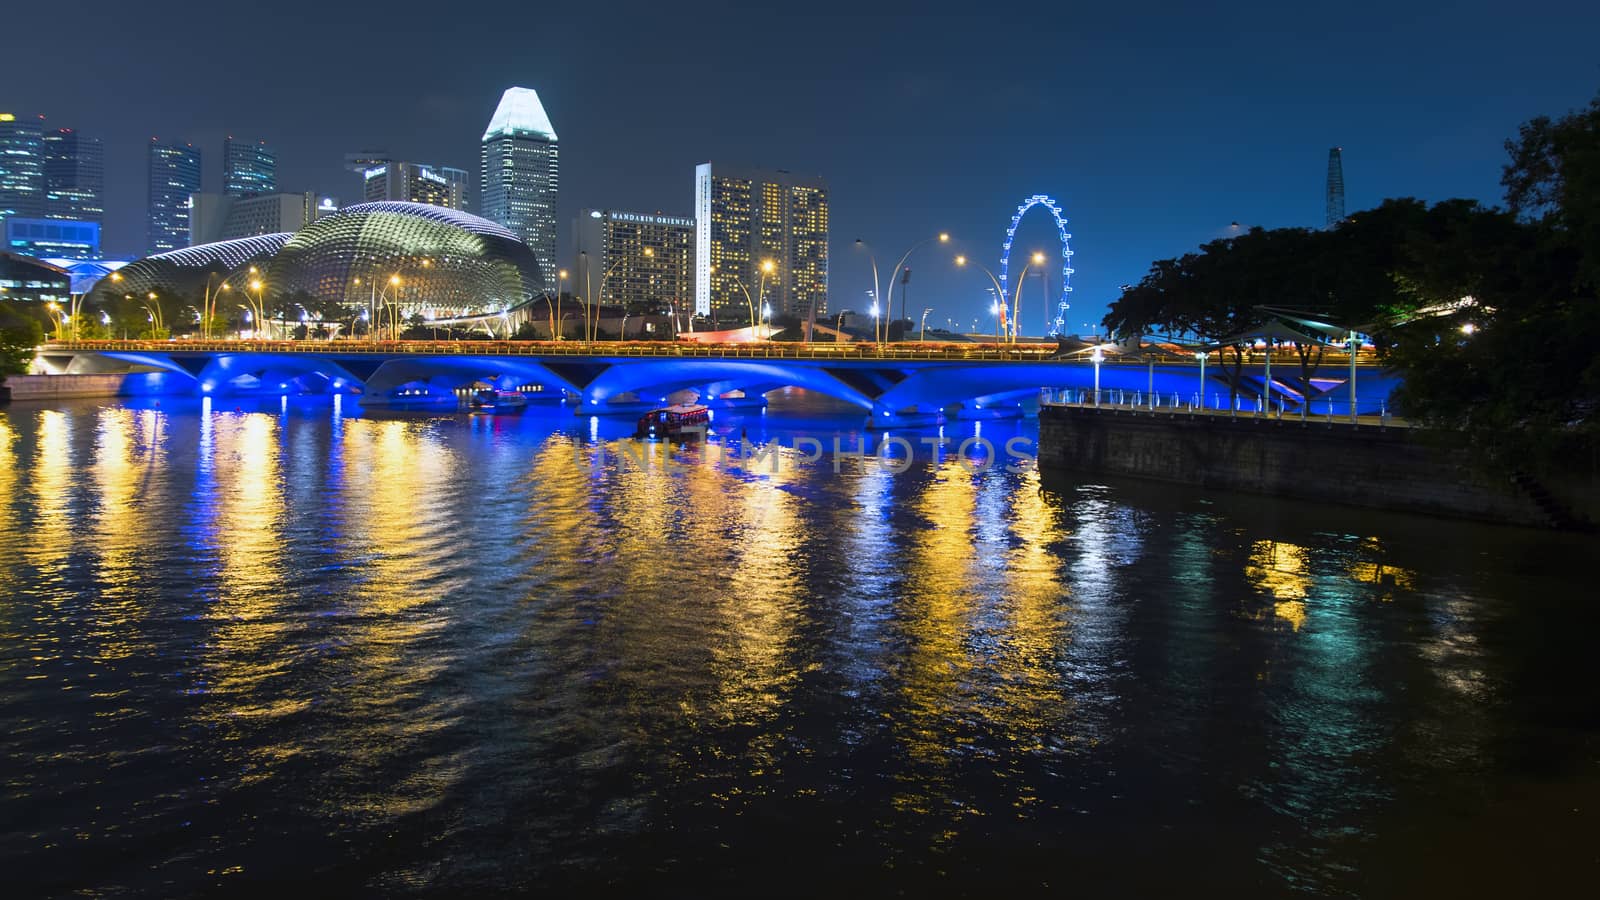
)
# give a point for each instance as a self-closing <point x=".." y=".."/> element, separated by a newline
<point x="625" y="349"/>
<point x="1033" y="353"/>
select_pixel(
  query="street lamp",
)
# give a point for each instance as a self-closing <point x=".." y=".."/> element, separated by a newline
<point x="1097" y="358"/>
<point x="1201" y="357"/>
<point x="209" y="304"/>
<point x="1016" y="308"/>
<point x="922" y="331"/>
<point x="57" y="321"/>
<point x="874" y="320"/>
<point x="383" y="304"/>
<point x="941" y="237"/>
<point x="153" y="311"/>
<point x="591" y="332"/>
<point x="998" y="306"/>
<point x="767" y="267"/>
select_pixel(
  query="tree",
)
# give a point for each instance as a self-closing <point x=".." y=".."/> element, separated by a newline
<point x="1553" y="179"/>
<point x="20" y="335"/>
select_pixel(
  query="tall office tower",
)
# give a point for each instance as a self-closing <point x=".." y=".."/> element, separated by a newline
<point x="460" y="181"/>
<point x="21" y="166"/>
<point x="1335" y="188"/>
<point x="413" y="183"/>
<point x="248" y="170"/>
<point x="747" y="217"/>
<point x="74" y="176"/>
<point x="174" y="175"/>
<point x="521" y="174"/>
<point x="219" y="217"/>
<point x="650" y="258"/>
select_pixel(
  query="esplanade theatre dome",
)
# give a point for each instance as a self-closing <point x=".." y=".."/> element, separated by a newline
<point x="419" y="257"/>
<point x="431" y="257"/>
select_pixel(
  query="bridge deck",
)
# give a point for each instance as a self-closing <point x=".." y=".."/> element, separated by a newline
<point x="1030" y="353"/>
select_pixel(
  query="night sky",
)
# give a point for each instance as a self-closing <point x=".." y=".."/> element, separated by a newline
<point x="1155" y="124"/>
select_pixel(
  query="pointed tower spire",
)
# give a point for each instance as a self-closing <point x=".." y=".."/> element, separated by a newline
<point x="1335" y="188"/>
<point x="520" y="113"/>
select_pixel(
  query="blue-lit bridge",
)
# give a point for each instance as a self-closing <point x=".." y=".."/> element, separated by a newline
<point x="888" y="380"/>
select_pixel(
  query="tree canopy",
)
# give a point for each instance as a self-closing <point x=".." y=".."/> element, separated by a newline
<point x="1521" y="356"/>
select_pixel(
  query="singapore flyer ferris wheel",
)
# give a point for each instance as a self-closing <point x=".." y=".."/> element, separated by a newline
<point x="1063" y="305"/>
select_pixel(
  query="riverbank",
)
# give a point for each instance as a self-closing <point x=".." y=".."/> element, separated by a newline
<point x="1368" y="463"/>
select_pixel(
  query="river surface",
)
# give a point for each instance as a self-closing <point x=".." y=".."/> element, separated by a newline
<point x="294" y="647"/>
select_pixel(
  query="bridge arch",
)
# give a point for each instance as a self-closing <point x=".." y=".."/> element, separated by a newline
<point x="1066" y="255"/>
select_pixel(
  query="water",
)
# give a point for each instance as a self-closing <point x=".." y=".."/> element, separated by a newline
<point x="292" y="646"/>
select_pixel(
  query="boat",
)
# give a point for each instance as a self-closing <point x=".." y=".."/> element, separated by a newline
<point x="490" y="400"/>
<point x="680" y="421"/>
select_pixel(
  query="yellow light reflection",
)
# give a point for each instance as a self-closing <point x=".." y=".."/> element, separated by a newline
<point x="50" y="537"/>
<point x="249" y="644"/>
<point x="1281" y="570"/>
<point x="9" y="537"/>
<point x="128" y="468"/>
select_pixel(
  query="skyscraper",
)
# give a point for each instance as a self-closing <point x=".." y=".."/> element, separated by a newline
<point x="521" y="174"/>
<point x="745" y="218"/>
<point x="74" y="176"/>
<point x="248" y="170"/>
<point x="650" y="258"/>
<point x="21" y="166"/>
<point x="414" y="183"/>
<point x="1335" y="188"/>
<point x="174" y="175"/>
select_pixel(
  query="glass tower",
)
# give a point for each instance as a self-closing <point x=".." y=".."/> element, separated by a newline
<point x="521" y="175"/>
<point x="21" y="166"/>
<point x="74" y="176"/>
<point x="248" y="170"/>
<point x="174" y="175"/>
<point x="747" y="218"/>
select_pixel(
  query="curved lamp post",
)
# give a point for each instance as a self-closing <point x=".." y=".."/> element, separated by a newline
<point x="767" y="268"/>
<point x="996" y="307"/>
<point x="208" y="306"/>
<point x="942" y="237"/>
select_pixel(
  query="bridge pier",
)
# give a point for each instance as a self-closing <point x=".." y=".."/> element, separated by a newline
<point x="992" y="409"/>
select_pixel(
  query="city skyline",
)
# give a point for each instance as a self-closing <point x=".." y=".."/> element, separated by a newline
<point x="937" y="137"/>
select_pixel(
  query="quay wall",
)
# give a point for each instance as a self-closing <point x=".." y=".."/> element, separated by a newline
<point x="72" y="387"/>
<point x="1371" y="465"/>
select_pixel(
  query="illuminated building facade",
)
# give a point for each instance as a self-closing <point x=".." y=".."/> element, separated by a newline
<point x="417" y="257"/>
<point x="220" y="217"/>
<point x="21" y="166"/>
<point x="746" y="218"/>
<point x="62" y="238"/>
<point x="650" y="258"/>
<point x="186" y="270"/>
<point x="521" y="174"/>
<point x="74" y="177"/>
<point x="174" y="175"/>
<point x="441" y="260"/>
<point x="248" y="170"/>
<point x="407" y="182"/>
<point x="25" y="279"/>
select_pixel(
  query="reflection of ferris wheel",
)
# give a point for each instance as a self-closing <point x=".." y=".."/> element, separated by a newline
<point x="1066" y="255"/>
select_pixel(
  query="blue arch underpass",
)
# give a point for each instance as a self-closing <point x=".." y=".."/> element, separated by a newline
<point x="602" y="383"/>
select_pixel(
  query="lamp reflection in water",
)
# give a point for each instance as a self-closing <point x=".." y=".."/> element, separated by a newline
<point x="54" y="470"/>
<point x="9" y="538"/>
<point x="129" y="468"/>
